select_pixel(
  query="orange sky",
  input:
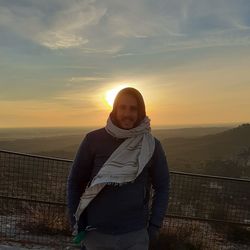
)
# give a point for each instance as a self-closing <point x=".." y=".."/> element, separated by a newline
<point x="190" y="62"/>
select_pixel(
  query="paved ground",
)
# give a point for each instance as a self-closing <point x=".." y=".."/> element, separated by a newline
<point x="20" y="247"/>
<point x="17" y="246"/>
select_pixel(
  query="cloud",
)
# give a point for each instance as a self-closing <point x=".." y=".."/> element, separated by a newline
<point x="57" y="40"/>
<point x="128" y="27"/>
<point x="62" y="27"/>
<point x="140" y="19"/>
<point x="87" y="78"/>
<point x="215" y="15"/>
<point x="111" y="49"/>
<point x="143" y="28"/>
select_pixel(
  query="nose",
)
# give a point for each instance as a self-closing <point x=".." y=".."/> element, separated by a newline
<point x="127" y="112"/>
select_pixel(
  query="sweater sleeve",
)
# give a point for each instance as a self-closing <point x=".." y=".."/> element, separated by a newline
<point x="79" y="177"/>
<point x="160" y="184"/>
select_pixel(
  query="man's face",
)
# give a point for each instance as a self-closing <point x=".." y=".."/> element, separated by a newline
<point x="127" y="112"/>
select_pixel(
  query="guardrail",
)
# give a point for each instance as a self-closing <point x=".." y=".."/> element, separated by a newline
<point x="205" y="212"/>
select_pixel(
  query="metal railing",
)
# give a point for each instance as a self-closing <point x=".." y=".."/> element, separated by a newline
<point x="204" y="212"/>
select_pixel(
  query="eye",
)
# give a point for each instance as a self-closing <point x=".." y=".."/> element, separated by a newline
<point x="133" y="108"/>
<point x="122" y="107"/>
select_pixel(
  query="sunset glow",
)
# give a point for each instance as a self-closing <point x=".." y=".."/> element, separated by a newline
<point x="189" y="59"/>
<point x="111" y="94"/>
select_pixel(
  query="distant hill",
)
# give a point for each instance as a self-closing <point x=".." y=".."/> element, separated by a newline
<point x="32" y="133"/>
<point x="189" y="153"/>
<point x="57" y="146"/>
<point x="187" y="132"/>
<point x="59" y="143"/>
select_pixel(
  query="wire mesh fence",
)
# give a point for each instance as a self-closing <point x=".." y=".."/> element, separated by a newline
<point x="204" y="212"/>
<point x="32" y="199"/>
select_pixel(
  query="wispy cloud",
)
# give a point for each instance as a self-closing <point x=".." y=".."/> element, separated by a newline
<point x="87" y="78"/>
<point x="63" y="26"/>
<point x="56" y="40"/>
<point x="121" y="27"/>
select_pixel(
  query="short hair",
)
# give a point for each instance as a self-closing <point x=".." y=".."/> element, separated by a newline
<point x="140" y="102"/>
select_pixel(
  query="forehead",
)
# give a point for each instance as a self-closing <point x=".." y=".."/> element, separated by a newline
<point x="128" y="100"/>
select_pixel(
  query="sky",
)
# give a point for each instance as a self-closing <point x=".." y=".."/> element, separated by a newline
<point x="190" y="59"/>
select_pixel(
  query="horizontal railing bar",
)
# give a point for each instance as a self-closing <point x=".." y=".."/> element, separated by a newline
<point x="207" y="220"/>
<point x="31" y="200"/>
<point x="37" y="156"/>
<point x="210" y="176"/>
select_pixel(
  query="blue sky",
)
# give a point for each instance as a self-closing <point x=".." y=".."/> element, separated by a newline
<point x="189" y="58"/>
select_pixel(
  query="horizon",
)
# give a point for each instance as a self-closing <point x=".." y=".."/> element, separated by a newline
<point x="172" y="126"/>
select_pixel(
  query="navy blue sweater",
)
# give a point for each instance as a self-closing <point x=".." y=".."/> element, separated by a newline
<point x="117" y="209"/>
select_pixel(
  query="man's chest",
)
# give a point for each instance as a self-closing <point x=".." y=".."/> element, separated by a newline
<point x="102" y="151"/>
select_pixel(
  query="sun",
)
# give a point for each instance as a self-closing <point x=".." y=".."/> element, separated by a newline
<point x="111" y="94"/>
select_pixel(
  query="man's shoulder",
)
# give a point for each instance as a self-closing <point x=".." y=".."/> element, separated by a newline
<point x="157" y="142"/>
<point x="96" y="133"/>
<point x="158" y="145"/>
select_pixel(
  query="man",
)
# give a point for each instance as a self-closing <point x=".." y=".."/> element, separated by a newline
<point x="109" y="183"/>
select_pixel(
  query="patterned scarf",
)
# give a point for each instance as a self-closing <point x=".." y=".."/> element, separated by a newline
<point x="124" y="164"/>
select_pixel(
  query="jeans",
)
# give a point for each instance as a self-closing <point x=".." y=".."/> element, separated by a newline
<point x="136" y="240"/>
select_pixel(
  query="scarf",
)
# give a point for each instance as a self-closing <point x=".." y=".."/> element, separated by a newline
<point x="124" y="164"/>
